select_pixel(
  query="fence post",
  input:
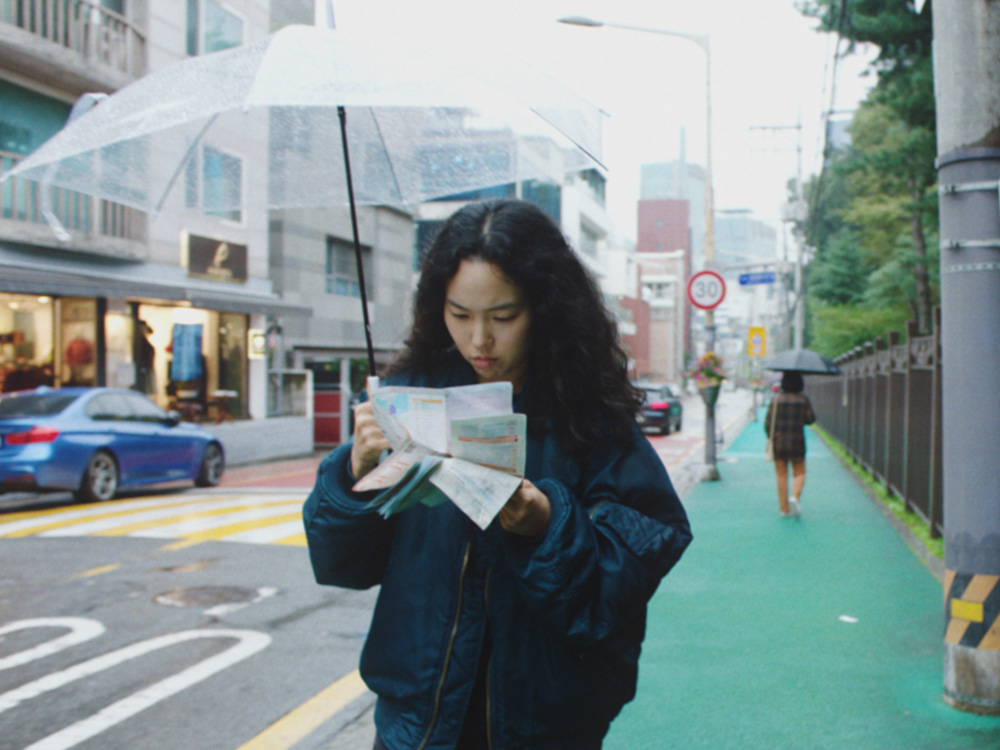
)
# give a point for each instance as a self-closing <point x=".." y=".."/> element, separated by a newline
<point x="936" y="515"/>
<point x="912" y="332"/>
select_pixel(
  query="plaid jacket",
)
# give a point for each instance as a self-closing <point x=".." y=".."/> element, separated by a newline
<point x="794" y="412"/>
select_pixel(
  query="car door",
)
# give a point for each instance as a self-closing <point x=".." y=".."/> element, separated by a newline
<point x="172" y="449"/>
<point x="129" y="441"/>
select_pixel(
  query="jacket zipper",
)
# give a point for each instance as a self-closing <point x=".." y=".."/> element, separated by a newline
<point x="451" y="645"/>
<point x="489" y="664"/>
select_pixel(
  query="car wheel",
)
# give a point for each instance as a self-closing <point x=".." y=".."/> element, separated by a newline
<point x="212" y="464"/>
<point x="100" y="479"/>
<point x="665" y="430"/>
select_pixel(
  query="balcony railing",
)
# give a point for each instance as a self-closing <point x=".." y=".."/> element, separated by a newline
<point x="21" y="200"/>
<point x="98" y="34"/>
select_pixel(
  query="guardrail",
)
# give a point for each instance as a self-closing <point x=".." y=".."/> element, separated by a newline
<point x="21" y="200"/>
<point x="885" y="410"/>
<point x="97" y="33"/>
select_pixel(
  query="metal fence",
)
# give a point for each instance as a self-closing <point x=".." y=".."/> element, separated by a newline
<point x="885" y="410"/>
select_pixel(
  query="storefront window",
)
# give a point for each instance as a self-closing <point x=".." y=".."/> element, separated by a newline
<point x="26" y="335"/>
<point x="118" y="345"/>
<point x="78" y="341"/>
<point x="232" y="364"/>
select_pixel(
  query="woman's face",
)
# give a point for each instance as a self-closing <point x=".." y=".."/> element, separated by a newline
<point x="490" y="322"/>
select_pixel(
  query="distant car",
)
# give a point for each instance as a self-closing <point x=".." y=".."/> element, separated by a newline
<point x="662" y="410"/>
<point x="95" y="441"/>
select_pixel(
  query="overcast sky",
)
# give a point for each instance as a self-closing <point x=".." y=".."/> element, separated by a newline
<point x="769" y="68"/>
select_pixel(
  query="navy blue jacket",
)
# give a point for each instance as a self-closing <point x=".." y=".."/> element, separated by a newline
<point x="566" y="612"/>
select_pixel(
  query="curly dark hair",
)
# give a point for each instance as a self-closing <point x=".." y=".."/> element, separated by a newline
<point x="578" y="372"/>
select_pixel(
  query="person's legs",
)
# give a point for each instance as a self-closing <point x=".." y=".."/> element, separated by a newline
<point x="798" y="477"/>
<point x="781" y="470"/>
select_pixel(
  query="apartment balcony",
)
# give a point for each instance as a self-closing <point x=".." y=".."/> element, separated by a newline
<point x="73" y="45"/>
<point x="93" y="225"/>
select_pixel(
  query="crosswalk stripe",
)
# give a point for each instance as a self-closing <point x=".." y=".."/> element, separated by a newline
<point x="257" y="518"/>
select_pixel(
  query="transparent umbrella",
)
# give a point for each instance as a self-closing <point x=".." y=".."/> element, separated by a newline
<point x="419" y="120"/>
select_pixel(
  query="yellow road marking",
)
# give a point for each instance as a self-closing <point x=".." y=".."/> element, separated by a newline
<point x="296" y="725"/>
<point x="235" y="528"/>
<point x="33" y="530"/>
<point x="182" y="544"/>
<point x="98" y="571"/>
<point x="127" y="529"/>
<point x="295" y="540"/>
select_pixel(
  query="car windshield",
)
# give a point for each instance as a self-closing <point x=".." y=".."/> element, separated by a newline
<point x="34" y="405"/>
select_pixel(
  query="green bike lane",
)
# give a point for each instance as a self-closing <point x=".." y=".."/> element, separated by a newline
<point x="773" y="633"/>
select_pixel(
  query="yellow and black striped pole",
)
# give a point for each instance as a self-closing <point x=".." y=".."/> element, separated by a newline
<point x="966" y="66"/>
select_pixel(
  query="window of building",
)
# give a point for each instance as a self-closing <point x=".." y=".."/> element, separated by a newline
<point x="212" y="26"/>
<point x="588" y="242"/>
<point x="341" y="269"/>
<point x="213" y="183"/>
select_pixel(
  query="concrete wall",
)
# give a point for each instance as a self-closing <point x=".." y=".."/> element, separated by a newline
<point x="256" y="440"/>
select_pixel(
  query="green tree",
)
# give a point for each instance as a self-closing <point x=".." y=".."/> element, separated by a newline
<point x="880" y="193"/>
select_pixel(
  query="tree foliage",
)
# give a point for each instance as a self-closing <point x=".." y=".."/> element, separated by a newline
<point x="873" y="210"/>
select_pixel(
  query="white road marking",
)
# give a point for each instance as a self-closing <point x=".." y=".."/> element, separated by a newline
<point x="81" y="630"/>
<point x="171" y="511"/>
<point x="250" y="642"/>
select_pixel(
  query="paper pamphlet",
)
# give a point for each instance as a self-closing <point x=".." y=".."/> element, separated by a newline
<point x="464" y="443"/>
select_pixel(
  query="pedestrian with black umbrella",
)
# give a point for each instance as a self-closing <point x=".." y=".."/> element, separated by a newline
<point x="787" y="415"/>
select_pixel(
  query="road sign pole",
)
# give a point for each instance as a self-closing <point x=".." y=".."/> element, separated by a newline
<point x="706" y="290"/>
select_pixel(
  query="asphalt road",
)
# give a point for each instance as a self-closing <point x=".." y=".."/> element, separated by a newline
<point x="190" y="619"/>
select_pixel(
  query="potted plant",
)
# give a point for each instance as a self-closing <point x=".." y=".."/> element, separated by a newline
<point x="708" y="375"/>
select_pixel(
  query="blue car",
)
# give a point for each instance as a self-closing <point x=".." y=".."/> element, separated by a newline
<point x="95" y="441"/>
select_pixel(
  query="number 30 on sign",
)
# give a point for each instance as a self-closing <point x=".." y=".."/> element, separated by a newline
<point x="706" y="290"/>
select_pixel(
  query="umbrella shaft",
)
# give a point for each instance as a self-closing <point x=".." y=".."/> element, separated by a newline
<point x="357" y="242"/>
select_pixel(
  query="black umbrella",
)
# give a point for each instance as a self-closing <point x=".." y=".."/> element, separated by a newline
<point x="804" y="361"/>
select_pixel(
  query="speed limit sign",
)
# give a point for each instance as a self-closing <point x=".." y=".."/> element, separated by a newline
<point x="706" y="290"/>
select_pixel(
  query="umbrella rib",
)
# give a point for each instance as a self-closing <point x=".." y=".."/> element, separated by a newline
<point x="182" y="163"/>
<point x="385" y="148"/>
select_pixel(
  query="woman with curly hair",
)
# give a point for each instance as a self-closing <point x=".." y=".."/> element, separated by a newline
<point x="527" y="634"/>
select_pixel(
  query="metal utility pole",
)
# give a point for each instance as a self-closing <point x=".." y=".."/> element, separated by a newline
<point x="966" y="71"/>
<point x="795" y="211"/>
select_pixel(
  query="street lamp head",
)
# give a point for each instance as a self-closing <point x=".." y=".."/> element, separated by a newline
<point x="580" y="21"/>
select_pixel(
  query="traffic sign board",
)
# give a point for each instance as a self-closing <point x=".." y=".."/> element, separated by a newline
<point x="706" y="290"/>
<point x="757" y="341"/>
<point x="760" y="277"/>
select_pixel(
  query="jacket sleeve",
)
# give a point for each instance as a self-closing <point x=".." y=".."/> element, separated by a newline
<point x="348" y="543"/>
<point x="603" y="554"/>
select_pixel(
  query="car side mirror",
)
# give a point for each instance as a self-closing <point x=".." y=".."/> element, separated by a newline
<point x="173" y="418"/>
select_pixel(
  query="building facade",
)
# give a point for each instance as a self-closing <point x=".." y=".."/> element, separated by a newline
<point x="95" y="293"/>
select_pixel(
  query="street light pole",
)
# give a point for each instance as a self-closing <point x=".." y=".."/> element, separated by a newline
<point x="711" y="471"/>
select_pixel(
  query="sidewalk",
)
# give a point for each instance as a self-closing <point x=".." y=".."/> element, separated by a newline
<point x="773" y="633"/>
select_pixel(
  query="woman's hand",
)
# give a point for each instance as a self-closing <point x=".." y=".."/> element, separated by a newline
<point x="527" y="512"/>
<point x="369" y="441"/>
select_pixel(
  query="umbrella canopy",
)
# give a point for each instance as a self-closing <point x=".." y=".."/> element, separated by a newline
<point x="277" y="124"/>
<point x="804" y="361"/>
<point x="424" y="120"/>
